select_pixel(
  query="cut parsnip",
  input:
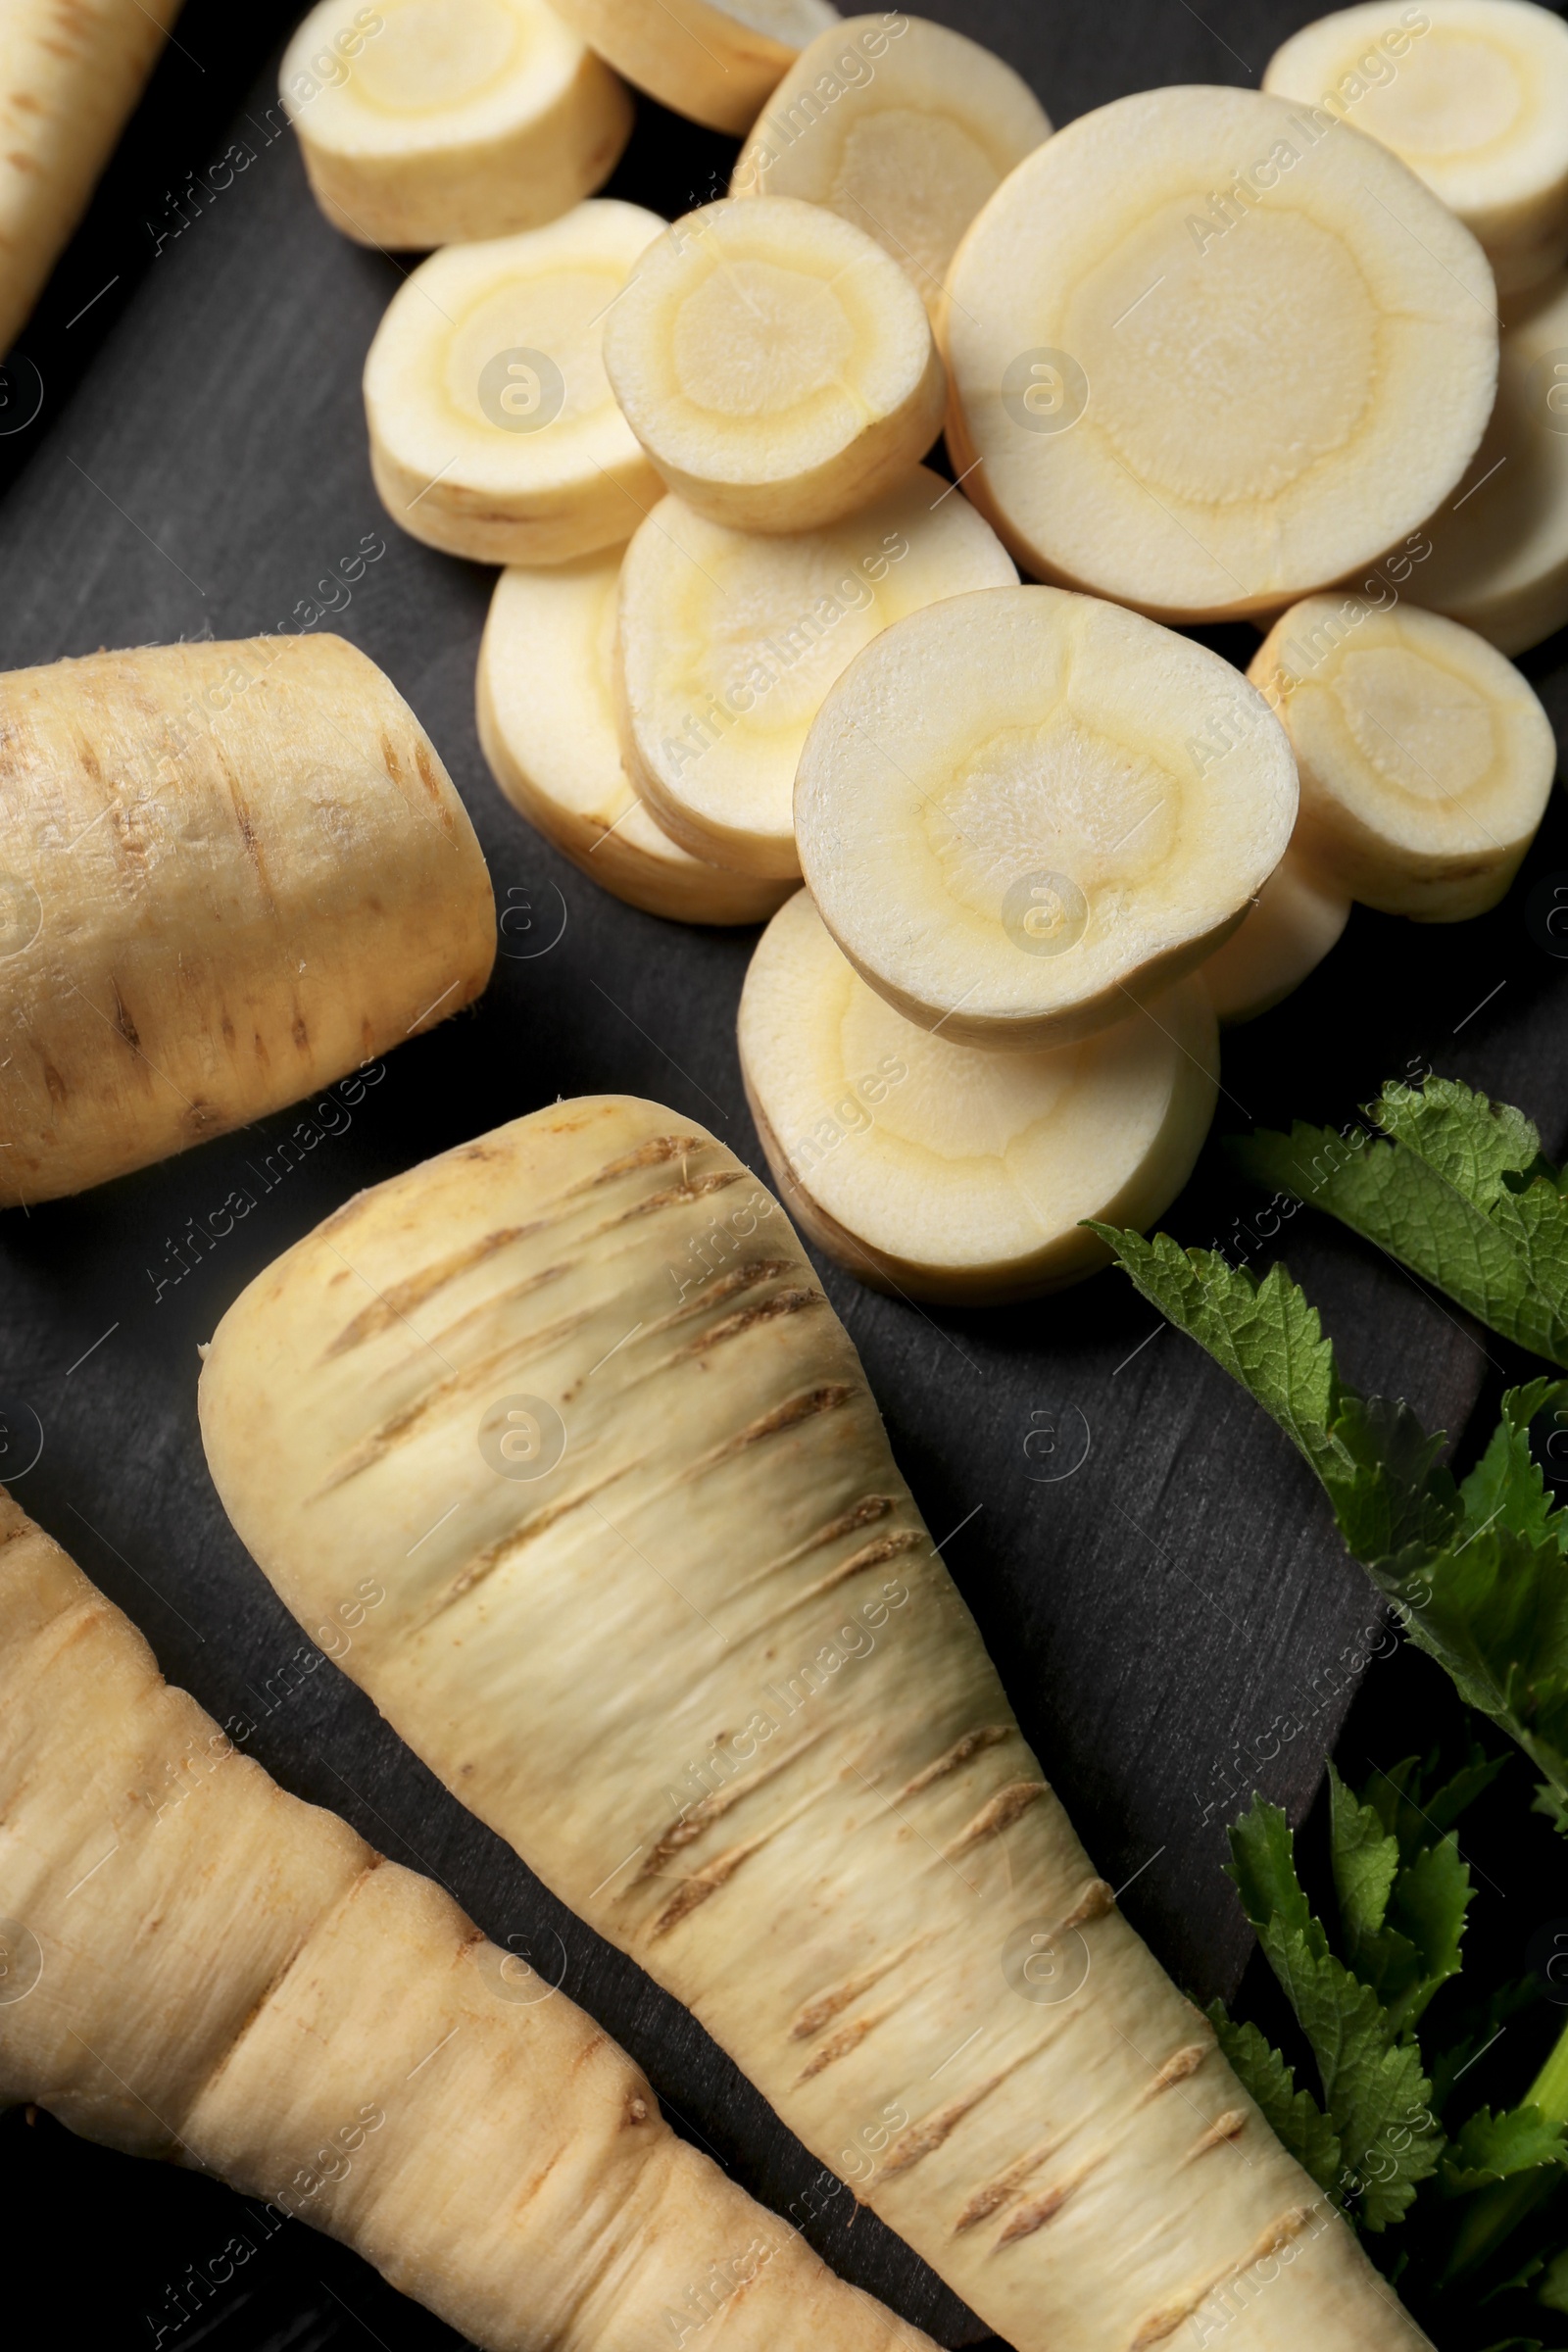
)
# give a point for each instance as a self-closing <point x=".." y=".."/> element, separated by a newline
<point x="713" y="60"/>
<point x="229" y="874"/>
<point x="947" y="1174"/>
<point x="1426" y="760"/>
<point x="546" y="722"/>
<point x="439" y="121"/>
<point x="493" y="432"/>
<point x="729" y="640"/>
<point x="776" y="365"/>
<point x="904" y="127"/>
<point x="1499" y="547"/>
<point x="1298" y="916"/>
<point x="1023" y="813"/>
<point x="1472" y="94"/>
<point x="71" y="76"/>
<point x="199" y="1967"/>
<point x="1210" y="351"/>
<point x="675" y="1629"/>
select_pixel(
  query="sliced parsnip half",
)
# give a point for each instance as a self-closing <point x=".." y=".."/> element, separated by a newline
<point x="438" y="121"/>
<point x="713" y="60"/>
<point x="1426" y="760"/>
<point x="1022" y="813"/>
<point x="1472" y="94"/>
<point x="952" y="1175"/>
<point x="729" y="640"/>
<point x="493" y="432"/>
<point x="1499" y="547"/>
<point x="902" y="127"/>
<point x="776" y="365"/>
<point x="1210" y="351"/>
<point x="546" y="722"/>
<point x="1298" y="917"/>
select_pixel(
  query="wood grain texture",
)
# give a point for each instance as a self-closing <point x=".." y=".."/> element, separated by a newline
<point x="1159" y="1615"/>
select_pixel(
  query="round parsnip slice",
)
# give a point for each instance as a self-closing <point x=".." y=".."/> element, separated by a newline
<point x="902" y="127"/>
<point x="1297" y="919"/>
<point x="1426" y="760"/>
<point x="493" y="432"/>
<point x="1209" y="351"/>
<point x="776" y="365"/>
<point x="546" y="722"/>
<point x="1473" y="94"/>
<point x="1499" y="560"/>
<point x="729" y="640"/>
<point x="1023" y="813"/>
<point x="951" y="1174"/>
<point x="437" y="121"/>
<point x="713" y="60"/>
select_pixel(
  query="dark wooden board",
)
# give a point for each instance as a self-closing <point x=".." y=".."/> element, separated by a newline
<point x="1163" y="1614"/>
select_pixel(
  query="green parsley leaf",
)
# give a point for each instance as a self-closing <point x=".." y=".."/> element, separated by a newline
<point x="1294" y="2116"/>
<point x="1491" y="2147"/>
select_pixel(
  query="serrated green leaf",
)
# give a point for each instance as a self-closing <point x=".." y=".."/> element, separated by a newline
<point x="1554" y="2289"/>
<point x="1366" y="1863"/>
<point x="1491" y="2147"/>
<point x="1263" y="1866"/>
<point x="1294" y="2116"/>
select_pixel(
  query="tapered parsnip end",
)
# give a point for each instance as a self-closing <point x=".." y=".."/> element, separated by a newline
<point x="494" y="433"/>
<point x="439" y="121"/>
<point x="1426" y="759"/>
<point x="1472" y="94"/>
<point x="904" y="127"/>
<point x="1023" y="813"/>
<point x="949" y="1174"/>
<point x="1210" y="351"/>
<point x="775" y="363"/>
<point x="770" y="1757"/>
<point x="729" y="640"/>
<point x="234" y="872"/>
<point x="1297" y="919"/>
<point x="1498" y="556"/>
<point x="224" y="1976"/>
<point x="71" y="78"/>
<point x="713" y="60"/>
<point x="548" y="726"/>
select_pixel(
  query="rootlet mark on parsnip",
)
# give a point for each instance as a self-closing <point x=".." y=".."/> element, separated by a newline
<point x="725" y="1564"/>
<point x="197" y="1966"/>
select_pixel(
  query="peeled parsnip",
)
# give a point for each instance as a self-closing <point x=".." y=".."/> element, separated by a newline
<point x="711" y="60"/>
<point x="1296" y="917"/>
<point x="776" y="365"/>
<point x="902" y="127"/>
<point x="224" y="1977"/>
<point x="1209" y="351"/>
<point x="1472" y="94"/>
<point x="71" y="72"/>
<point x="676" y="1630"/>
<point x="548" y="726"/>
<point x="945" y="1173"/>
<point x="228" y="874"/>
<point x="438" y="121"/>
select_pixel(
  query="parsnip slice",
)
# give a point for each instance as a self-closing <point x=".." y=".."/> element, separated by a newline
<point x="493" y="432"/>
<point x="675" y="1629"/>
<point x="546" y="722"/>
<point x="228" y="1977"/>
<point x="944" y="1173"/>
<point x="776" y="365"/>
<point x="711" y="60"/>
<point x="439" y="121"/>
<point x="1023" y="813"/>
<point x="1210" y="351"/>
<point x="1499" y="547"/>
<point x="1472" y="94"/>
<point x="729" y="640"/>
<point x="230" y="873"/>
<point x="1426" y="760"/>
<point x="1296" y="917"/>
<point x="902" y="127"/>
<point x="72" y="77"/>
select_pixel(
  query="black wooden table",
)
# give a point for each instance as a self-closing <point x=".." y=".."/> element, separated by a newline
<point x="1160" y="1588"/>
